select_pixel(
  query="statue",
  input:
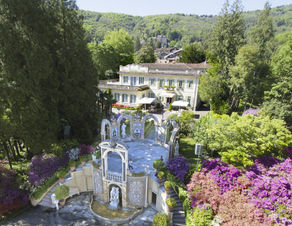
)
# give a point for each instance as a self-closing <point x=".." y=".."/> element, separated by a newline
<point x="114" y="132"/>
<point x="137" y="132"/>
<point x="114" y="199"/>
<point x="124" y="130"/>
<point x="176" y="149"/>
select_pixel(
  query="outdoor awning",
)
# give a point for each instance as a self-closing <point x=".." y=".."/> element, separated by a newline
<point x="167" y="94"/>
<point x="180" y="103"/>
<point x="146" y="100"/>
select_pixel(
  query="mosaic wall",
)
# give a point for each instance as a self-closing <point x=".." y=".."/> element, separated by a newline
<point x="136" y="191"/>
<point x="98" y="185"/>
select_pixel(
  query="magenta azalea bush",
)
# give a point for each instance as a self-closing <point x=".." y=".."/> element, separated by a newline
<point x="44" y="166"/>
<point x="178" y="166"/>
<point x="257" y="195"/>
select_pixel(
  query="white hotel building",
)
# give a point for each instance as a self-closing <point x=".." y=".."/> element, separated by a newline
<point x="139" y="84"/>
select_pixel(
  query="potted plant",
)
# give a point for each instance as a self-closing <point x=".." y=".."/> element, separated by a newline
<point x="158" y="164"/>
<point x="61" y="174"/>
<point x="170" y="203"/>
<point x="95" y="165"/>
<point x="160" y="220"/>
<point x="160" y="176"/>
<point x="72" y="165"/>
<point x="62" y="192"/>
<point x="167" y="186"/>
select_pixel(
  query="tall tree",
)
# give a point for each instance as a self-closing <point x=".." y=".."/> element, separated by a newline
<point x="47" y="71"/>
<point x="145" y="55"/>
<point x="105" y="60"/>
<point x="193" y="53"/>
<point x="278" y="101"/>
<point x="226" y="38"/>
<point x="122" y="43"/>
<point x="250" y="76"/>
<point x="263" y="33"/>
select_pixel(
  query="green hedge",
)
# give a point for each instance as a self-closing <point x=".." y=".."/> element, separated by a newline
<point x="43" y="188"/>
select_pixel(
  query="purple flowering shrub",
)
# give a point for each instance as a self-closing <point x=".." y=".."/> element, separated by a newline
<point x="271" y="190"/>
<point x="85" y="149"/>
<point x="260" y="193"/>
<point x="252" y="111"/>
<point x="44" y="166"/>
<point x="224" y="175"/>
<point x="11" y="196"/>
<point x="178" y="167"/>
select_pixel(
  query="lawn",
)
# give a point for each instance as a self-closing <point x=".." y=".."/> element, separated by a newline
<point x="187" y="149"/>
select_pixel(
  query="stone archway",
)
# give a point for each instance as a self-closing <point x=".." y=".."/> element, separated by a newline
<point x="105" y="122"/>
<point x="110" y="186"/>
<point x="156" y="124"/>
<point x="166" y="128"/>
<point x="125" y="116"/>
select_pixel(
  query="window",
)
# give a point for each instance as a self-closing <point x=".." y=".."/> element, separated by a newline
<point x="189" y="100"/>
<point x="180" y="83"/>
<point x="154" y="197"/>
<point x="170" y="82"/>
<point x="125" y="97"/>
<point x="117" y="97"/>
<point x="179" y="97"/>
<point x="151" y="95"/>
<point x="132" y="99"/>
<point x="133" y="81"/>
<point x="190" y="84"/>
<point x="152" y="81"/>
<point x="161" y="81"/>
<point x="143" y="95"/>
<point x="141" y="80"/>
<point x="125" y="79"/>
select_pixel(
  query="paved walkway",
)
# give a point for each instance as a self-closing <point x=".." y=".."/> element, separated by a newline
<point x="76" y="212"/>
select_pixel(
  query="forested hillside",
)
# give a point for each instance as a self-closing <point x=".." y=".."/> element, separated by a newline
<point x="181" y="28"/>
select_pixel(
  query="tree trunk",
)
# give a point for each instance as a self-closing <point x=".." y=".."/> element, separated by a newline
<point x="12" y="150"/>
<point x="17" y="150"/>
<point x="20" y="146"/>
<point x="7" y="154"/>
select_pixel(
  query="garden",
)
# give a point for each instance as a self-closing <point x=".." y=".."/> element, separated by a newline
<point x="244" y="176"/>
<point x="21" y="184"/>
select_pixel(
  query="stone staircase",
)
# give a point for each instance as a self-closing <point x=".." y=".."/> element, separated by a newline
<point x="47" y="201"/>
<point x="178" y="217"/>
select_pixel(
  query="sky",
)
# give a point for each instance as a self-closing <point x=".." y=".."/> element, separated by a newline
<point x="152" y="7"/>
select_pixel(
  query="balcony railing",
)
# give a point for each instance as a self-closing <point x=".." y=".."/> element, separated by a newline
<point x="116" y="177"/>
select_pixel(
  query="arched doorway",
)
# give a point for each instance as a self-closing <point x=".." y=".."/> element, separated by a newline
<point x="111" y="186"/>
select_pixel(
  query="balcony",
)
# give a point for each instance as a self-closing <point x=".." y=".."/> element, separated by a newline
<point x="115" y="177"/>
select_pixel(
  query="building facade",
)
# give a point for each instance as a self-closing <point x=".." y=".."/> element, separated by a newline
<point x="139" y="84"/>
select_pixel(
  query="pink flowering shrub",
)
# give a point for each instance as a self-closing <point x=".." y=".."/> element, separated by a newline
<point x="259" y="195"/>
